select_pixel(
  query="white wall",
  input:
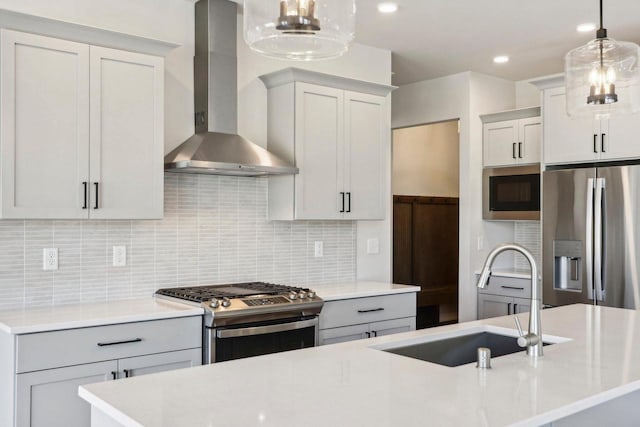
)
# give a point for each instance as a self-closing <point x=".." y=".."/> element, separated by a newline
<point x="527" y="95"/>
<point x="462" y="96"/>
<point x="170" y="20"/>
<point x="426" y="160"/>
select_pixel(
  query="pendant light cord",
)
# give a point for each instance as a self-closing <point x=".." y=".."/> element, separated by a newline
<point x="601" y="20"/>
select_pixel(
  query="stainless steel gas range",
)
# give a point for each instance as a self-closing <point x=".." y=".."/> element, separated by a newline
<point x="251" y="319"/>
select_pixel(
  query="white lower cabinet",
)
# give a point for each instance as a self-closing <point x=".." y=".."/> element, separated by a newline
<point x="358" y="318"/>
<point x="47" y="383"/>
<point x="504" y="296"/>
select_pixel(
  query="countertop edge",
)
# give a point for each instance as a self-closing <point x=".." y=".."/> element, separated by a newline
<point x="107" y="409"/>
<point x="370" y="293"/>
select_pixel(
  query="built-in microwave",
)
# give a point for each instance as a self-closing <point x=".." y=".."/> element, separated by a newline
<point x="511" y="193"/>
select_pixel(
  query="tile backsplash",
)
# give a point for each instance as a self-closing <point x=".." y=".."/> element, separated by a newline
<point x="528" y="235"/>
<point x="214" y="230"/>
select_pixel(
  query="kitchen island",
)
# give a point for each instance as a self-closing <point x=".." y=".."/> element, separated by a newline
<point x="594" y="361"/>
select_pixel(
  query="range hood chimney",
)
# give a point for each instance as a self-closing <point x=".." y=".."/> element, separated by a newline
<point x="216" y="148"/>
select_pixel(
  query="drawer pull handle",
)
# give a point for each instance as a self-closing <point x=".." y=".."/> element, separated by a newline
<point x="371" y="311"/>
<point x="104" y="344"/>
<point x="127" y="373"/>
<point x="512" y="287"/>
<point x="114" y="375"/>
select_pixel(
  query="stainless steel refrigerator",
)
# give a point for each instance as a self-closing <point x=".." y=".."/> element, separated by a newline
<point x="591" y="236"/>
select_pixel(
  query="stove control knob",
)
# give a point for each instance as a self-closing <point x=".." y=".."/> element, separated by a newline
<point x="302" y="294"/>
<point x="215" y="303"/>
<point x="226" y="302"/>
<point x="311" y="294"/>
<point x="293" y="296"/>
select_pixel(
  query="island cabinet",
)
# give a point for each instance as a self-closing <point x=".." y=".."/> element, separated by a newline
<point x="368" y="317"/>
<point x="580" y="140"/>
<point x="337" y="132"/>
<point x="49" y="366"/>
<point x="512" y="137"/>
<point x="82" y="130"/>
<point x="504" y="296"/>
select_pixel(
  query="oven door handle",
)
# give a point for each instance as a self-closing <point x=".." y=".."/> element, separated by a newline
<point x="269" y="329"/>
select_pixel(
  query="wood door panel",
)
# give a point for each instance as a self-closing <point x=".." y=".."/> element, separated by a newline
<point x="402" y="241"/>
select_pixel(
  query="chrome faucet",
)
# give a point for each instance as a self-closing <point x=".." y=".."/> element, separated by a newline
<point x="532" y="340"/>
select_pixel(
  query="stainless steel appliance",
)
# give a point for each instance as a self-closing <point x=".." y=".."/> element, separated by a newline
<point x="511" y="193"/>
<point x="591" y="233"/>
<point x="251" y="319"/>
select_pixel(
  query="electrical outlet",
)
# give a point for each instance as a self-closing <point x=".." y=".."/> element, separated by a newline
<point x="373" y="246"/>
<point x="119" y="256"/>
<point x="50" y="259"/>
<point x="319" y="249"/>
<point x="480" y="243"/>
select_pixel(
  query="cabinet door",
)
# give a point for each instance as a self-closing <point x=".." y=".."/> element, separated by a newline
<point x="44" y="114"/>
<point x="150" y="364"/>
<point x="50" y="398"/>
<point x="344" y="334"/>
<point x="521" y="305"/>
<point x="619" y="137"/>
<point x="530" y="138"/>
<point x="493" y="306"/>
<point x="500" y="143"/>
<point x="319" y="143"/>
<point x="566" y="140"/>
<point x="395" y="326"/>
<point x="127" y="135"/>
<point x="366" y="137"/>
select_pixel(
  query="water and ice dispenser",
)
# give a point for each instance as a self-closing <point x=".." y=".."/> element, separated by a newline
<point x="567" y="265"/>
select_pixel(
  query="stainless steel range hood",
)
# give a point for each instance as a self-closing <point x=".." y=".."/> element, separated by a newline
<point x="216" y="148"/>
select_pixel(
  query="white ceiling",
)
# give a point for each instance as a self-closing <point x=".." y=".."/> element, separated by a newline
<point x="433" y="38"/>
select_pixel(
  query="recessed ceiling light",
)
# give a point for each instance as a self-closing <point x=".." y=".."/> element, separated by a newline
<point x="502" y="59"/>
<point x="587" y="27"/>
<point x="387" y="7"/>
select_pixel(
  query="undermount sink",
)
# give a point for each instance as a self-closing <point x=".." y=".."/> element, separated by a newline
<point x="459" y="348"/>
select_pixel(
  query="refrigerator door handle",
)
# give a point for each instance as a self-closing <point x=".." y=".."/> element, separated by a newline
<point x="589" y="237"/>
<point x="598" y="240"/>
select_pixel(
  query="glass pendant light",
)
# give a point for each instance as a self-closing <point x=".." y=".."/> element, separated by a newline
<point x="300" y="30"/>
<point x="603" y="77"/>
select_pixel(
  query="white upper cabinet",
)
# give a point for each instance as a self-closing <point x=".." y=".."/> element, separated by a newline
<point x="337" y="137"/>
<point x="568" y="140"/>
<point x="127" y="134"/>
<point x="44" y="121"/>
<point x="512" y="137"/>
<point x="81" y="130"/>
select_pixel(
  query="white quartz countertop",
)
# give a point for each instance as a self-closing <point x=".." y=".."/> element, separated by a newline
<point x="91" y="314"/>
<point x="347" y="290"/>
<point x="354" y="384"/>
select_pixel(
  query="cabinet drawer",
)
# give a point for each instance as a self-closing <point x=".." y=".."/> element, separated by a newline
<point x="365" y="310"/>
<point x="47" y="350"/>
<point x="508" y="286"/>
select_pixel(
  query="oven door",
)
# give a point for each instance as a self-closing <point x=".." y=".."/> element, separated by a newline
<point x="258" y="338"/>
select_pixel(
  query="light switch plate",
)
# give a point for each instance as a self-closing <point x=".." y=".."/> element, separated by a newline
<point x="318" y="249"/>
<point x="119" y="256"/>
<point x="373" y="246"/>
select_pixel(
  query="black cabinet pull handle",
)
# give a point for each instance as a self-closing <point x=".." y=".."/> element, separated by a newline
<point x="348" y="202"/>
<point x="512" y="287"/>
<point x="368" y="334"/>
<point x="602" y="142"/>
<point x="105" y="344"/>
<point x="114" y="375"/>
<point x="97" y="194"/>
<point x="509" y="308"/>
<point x="515" y="308"/>
<point x="342" y="194"/>
<point x="513" y="150"/>
<point x="371" y="311"/>
<point x="374" y="333"/>
<point x="595" y="143"/>
<point x="86" y="190"/>
<point x="520" y="149"/>
<point x="126" y="373"/>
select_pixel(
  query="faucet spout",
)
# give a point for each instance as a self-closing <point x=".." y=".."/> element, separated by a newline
<point x="534" y="342"/>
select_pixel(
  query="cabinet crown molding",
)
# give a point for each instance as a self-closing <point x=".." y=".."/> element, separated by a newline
<point x="71" y="31"/>
<point x="290" y="75"/>
<point x="521" y="113"/>
<point x="548" y="82"/>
